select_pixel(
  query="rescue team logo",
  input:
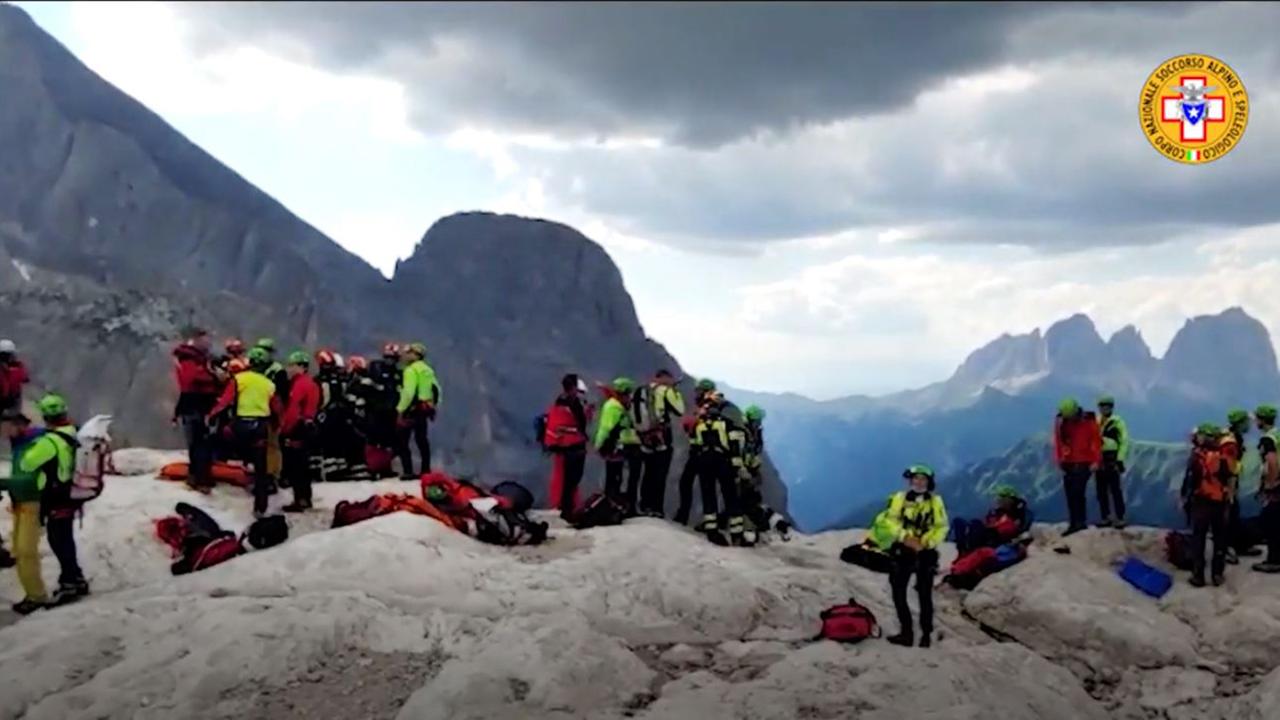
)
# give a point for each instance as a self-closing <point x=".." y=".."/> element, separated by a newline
<point x="1193" y="109"/>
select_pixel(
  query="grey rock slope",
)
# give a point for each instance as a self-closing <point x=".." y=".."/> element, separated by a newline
<point x="115" y="231"/>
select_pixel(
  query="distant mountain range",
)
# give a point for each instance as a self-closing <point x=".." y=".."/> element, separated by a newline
<point x="839" y="455"/>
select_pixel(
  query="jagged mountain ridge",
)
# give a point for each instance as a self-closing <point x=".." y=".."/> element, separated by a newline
<point x="104" y="206"/>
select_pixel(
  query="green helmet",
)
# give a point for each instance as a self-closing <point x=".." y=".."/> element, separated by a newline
<point x="417" y="349"/>
<point x="1265" y="413"/>
<point x="1005" y="491"/>
<point x="1107" y="400"/>
<point x="1208" y="429"/>
<point x="623" y="385"/>
<point x="754" y="413"/>
<point x="1237" y="417"/>
<point x="436" y="493"/>
<point x="705" y="385"/>
<point x="914" y="470"/>
<point x="1068" y="406"/>
<point x="299" y="357"/>
<point x="266" y="343"/>
<point x="259" y="356"/>
<point x="52" y="405"/>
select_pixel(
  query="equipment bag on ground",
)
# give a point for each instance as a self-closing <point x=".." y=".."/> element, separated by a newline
<point x="598" y="511"/>
<point x="1145" y="578"/>
<point x="851" y="622"/>
<point x="867" y="555"/>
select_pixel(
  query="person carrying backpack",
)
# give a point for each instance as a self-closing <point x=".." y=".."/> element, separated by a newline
<point x="198" y="390"/>
<point x="52" y="457"/>
<point x="663" y="406"/>
<point x="748" y="440"/>
<point x="565" y="437"/>
<point x="1110" y="473"/>
<point x="916" y="521"/>
<point x="252" y="401"/>
<point x="718" y="468"/>
<point x="1206" y="493"/>
<point x="1269" y="486"/>
<point x="333" y="419"/>
<point x="616" y="439"/>
<point x="419" y="402"/>
<point x="24" y="497"/>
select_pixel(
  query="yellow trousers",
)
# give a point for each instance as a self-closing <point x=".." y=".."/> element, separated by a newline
<point x="26" y="549"/>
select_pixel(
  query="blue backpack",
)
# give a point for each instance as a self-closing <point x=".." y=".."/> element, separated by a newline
<point x="1149" y="580"/>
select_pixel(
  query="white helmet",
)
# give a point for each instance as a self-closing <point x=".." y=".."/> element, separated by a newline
<point x="7" y="346"/>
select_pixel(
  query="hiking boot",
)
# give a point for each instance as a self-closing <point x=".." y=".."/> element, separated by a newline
<point x="297" y="506"/>
<point x="28" y="606"/>
<point x="1073" y="530"/>
<point x="902" y="639"/>
<point x="926" y="641"/>
<point x="1105" y="523"/>
<point x="6" y="560"/>
<point x="748" y="539"/>
<point x="1120" y="524"/>
<point x="70" y="592"/>
<point x="407" y="477"/>
<point x="681" y="517"/>
<point x="1218" y="580"/>
<point x="738" y="539"/>
<point x="718" y="538"/>
<point x="1269" y="568"/>
<point x="1197" y="581"/>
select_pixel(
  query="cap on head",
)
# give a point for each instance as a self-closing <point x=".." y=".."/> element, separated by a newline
<point x="417" y="349"/>
<point x="436" y="493"/>
<point x="7" y="346"/>
<point x="754" y="413"/>
<point x="259" y="356"/>
<point x="299" y="357"/>
<point x="1208" y="429"/>
<point x="391" y="350"/>
<point x="623" y="385"/>
<point x="266" y="343"/>
<point x="706" y="385"/>
<point x="325" y="358"/>
<point x="1068" y="406"/>
<point x="1237" y="417"/>
<point x="1265" y="413"/>
<point x="915" y="470"/>
<point x="1106" y="400"/>
<point x="357" y="362"/>
<point x="52" y="405"/>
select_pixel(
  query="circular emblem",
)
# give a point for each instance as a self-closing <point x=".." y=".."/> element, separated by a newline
<point x="1193" y="109"/>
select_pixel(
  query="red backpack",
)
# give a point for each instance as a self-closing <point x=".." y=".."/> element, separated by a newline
<point x="849" y="623"/>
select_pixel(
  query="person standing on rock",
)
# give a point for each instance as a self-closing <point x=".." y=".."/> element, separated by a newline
<point x="916" y="520"/>
<point x="666" y="406"/>
<point x="298" y="431"/>
<point x="1231" y="446"/>
<point x="1077" y="447"/>
<point x="419" y="400"/>
<point x="1110" y="474"/>
<point x="52" y="456"/>
<point x="13" y="375"/>
<point x="198" y="390"/>
<point x="616" y="436"/>
<point x="717" y="469"/>
<point x="274" y="372"/>
<point x="384" y="393"/>
<point x="252" y="400"/>
<point x="566" y="439"/>
<point x="1206" y="494"/>
<point x="1269" y="487"/>
<point x="24" y="496"/>
<point x="703" y="392"/>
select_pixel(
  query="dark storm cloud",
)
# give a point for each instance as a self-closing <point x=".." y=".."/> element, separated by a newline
<point x="696" y="73"/>
<point x="796" y="119"/>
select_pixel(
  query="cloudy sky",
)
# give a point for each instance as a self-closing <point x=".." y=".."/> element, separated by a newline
<point x="812" y="197"/>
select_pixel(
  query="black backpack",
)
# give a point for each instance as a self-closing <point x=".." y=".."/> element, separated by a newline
<point x="268" y="532"/>
<point x="599" y="510"/>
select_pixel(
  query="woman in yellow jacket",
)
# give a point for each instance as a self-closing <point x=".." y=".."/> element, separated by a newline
<point x="916" y="520"/>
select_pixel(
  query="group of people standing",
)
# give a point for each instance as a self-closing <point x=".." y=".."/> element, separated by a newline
<point x="292" y="428"/>
<point x="1088" y="444"/>
<point x="634" y="436"/>
<point x="42" y="464"/>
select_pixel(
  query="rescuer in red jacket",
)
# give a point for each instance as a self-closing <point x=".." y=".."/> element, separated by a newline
<point x="1077" y="448"/>
<point x="198" y="390"/>
<point x="298" y="431"/>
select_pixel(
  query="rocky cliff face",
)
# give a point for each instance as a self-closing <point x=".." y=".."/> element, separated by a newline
<point x="115" y="231"/>
<point x="1227" y="356"/>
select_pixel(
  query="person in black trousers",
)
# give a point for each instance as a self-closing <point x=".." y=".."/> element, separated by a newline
<point x="667" y="406"/>
<point x="1205" y="496"/>
<point x="917" y="517"/>
<point x="566" y="439"/>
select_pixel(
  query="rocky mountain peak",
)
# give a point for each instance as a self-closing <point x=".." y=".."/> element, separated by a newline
<point x="1128" y="346"/>
<point x="1006" y="358"/>
<point x="1228" y="357"/>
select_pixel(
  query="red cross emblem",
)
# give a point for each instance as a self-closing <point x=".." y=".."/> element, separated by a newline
<point x="1193" y="118"/>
